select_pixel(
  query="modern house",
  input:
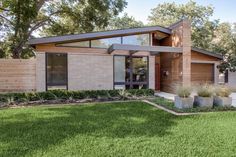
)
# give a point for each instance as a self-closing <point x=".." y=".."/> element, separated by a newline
<point x="149" y="57"/>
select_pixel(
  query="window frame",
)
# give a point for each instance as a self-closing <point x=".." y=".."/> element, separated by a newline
<point x="121" y="41"/>
<point x="131" y="83"/>
<point x="91" y="45"/>
<point x="46" y="70"/>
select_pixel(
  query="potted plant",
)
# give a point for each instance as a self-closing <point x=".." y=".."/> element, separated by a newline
<point x="221" y="97"/>
<point x="183" y="99"/>
<point x="204" y="96"/>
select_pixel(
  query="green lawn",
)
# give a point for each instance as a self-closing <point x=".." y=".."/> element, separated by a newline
<point x="118" y="129"/>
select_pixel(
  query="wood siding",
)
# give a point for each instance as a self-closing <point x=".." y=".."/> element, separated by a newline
<point x="17" y="75"/>
<point x="171" y="64"/>
<point x="202" y="73"/>
<point x="199" y="56"/>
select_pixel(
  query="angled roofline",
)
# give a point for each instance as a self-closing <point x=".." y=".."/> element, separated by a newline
<point x="217" y="55"/>
<point x="177" y="23"/>
<point x="88" y="36"/>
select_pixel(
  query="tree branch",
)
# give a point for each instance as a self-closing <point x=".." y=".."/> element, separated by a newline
<point x="7" y="19"/>
<point x="4" y="9"/>
<point x="41" y="23"/>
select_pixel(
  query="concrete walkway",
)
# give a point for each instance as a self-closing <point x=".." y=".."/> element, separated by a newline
<point x="170" y="96"/>
<point x="165" y="95"/>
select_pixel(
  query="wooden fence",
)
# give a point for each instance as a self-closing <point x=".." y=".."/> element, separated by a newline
<point x="17" y="75"/>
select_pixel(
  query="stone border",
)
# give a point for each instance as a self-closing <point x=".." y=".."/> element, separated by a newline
<point x="168" y="110"/>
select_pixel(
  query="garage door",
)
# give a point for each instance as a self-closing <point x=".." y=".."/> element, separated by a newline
<point x="202" y="73"/>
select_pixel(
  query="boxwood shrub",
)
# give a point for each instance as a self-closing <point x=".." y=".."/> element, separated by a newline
<point x="71" y="95"/>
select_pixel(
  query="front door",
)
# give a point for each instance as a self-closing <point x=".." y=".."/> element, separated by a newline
<point x="157" y="77"/>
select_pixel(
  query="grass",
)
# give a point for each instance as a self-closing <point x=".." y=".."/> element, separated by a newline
<point x="170" y="105"/>
<point x="115" y="129"/>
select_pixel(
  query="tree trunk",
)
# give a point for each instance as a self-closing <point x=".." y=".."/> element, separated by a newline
<point x="17" y="50"/>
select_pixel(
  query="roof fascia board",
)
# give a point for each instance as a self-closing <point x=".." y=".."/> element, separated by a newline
<point x="87" y="36"/>
<point x="152" y="49"/>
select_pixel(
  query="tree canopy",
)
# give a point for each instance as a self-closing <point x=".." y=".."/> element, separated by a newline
<point x="206" y="33"/>
<point x="123" y="22"/>
<point x="19" y="19"/>
<point x="202" y="28"/>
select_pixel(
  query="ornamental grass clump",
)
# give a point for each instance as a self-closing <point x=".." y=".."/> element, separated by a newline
<point x="183" y="92"/>
<point x="223" y="91"/>
<point x="205" y="91"/>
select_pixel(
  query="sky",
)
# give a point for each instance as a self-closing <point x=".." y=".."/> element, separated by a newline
<point x="224" y="10"/>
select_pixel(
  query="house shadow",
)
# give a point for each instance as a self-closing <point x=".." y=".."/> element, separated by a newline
<point x="23" y="133"/>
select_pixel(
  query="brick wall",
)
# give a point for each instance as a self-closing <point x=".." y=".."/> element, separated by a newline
<point x="40" y="72"/>
<point x="90" y="72"/>
<point x="88" y="69"/>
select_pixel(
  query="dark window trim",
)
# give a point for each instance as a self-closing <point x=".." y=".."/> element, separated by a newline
<point x="131" y="83"/>
<point x="46" y="71"/>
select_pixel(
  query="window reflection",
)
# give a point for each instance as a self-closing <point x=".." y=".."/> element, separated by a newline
<point x="140" y="69"/>
<point x="130" y="72"/>
<point x="141" y="39"/>
<point x="56" y="71"/>
<point x="105" y="43"/>
<point x="76" y="44"/>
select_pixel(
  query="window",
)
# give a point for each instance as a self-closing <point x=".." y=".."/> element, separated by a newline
<point x="56" y="71"/>
<point x="130" y="72"/>
<point x="105" y="43"/>
<point x="141" y="39"/>
<point x="76" y="44"/>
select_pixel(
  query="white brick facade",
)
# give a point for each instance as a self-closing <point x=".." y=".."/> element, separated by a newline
<point x="40" y="72"/>
<point x="90" y="72"/>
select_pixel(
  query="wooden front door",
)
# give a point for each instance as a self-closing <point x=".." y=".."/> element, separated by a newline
<point x="157" y="77"/>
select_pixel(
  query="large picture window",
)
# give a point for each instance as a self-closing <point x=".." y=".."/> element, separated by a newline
<point x="56" y="71"/>
<point x="130" y="72"/>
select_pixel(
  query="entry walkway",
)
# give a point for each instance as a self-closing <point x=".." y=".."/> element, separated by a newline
<point x="165" y="95"/>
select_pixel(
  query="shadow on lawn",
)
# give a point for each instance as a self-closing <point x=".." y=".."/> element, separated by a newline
<point x="38" y="129"/>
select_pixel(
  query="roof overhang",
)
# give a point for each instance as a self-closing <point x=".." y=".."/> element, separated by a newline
<point x="152" y="49"/>
<point x="96" y="35"/>
<point x="216" y="55"/>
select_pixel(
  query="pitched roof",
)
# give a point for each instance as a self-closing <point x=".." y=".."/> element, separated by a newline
<point x="213" y="54"/>
<point x="87" y="36"/>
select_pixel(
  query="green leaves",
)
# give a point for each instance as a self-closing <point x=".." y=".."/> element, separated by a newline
<point x="19" y="19"/>
<point x="206" y="34"/>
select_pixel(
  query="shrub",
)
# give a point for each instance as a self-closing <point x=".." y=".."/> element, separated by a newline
<point x="67" y="95"/>
<point x="222" y="91"/>
<point x="34" y="97"/>
<point x="205" y="91"/>
<point x="47" y="95"/>
<point x="124" y="94"/>
<point x="183" y="92"/>
<point x="61" y="94"/>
